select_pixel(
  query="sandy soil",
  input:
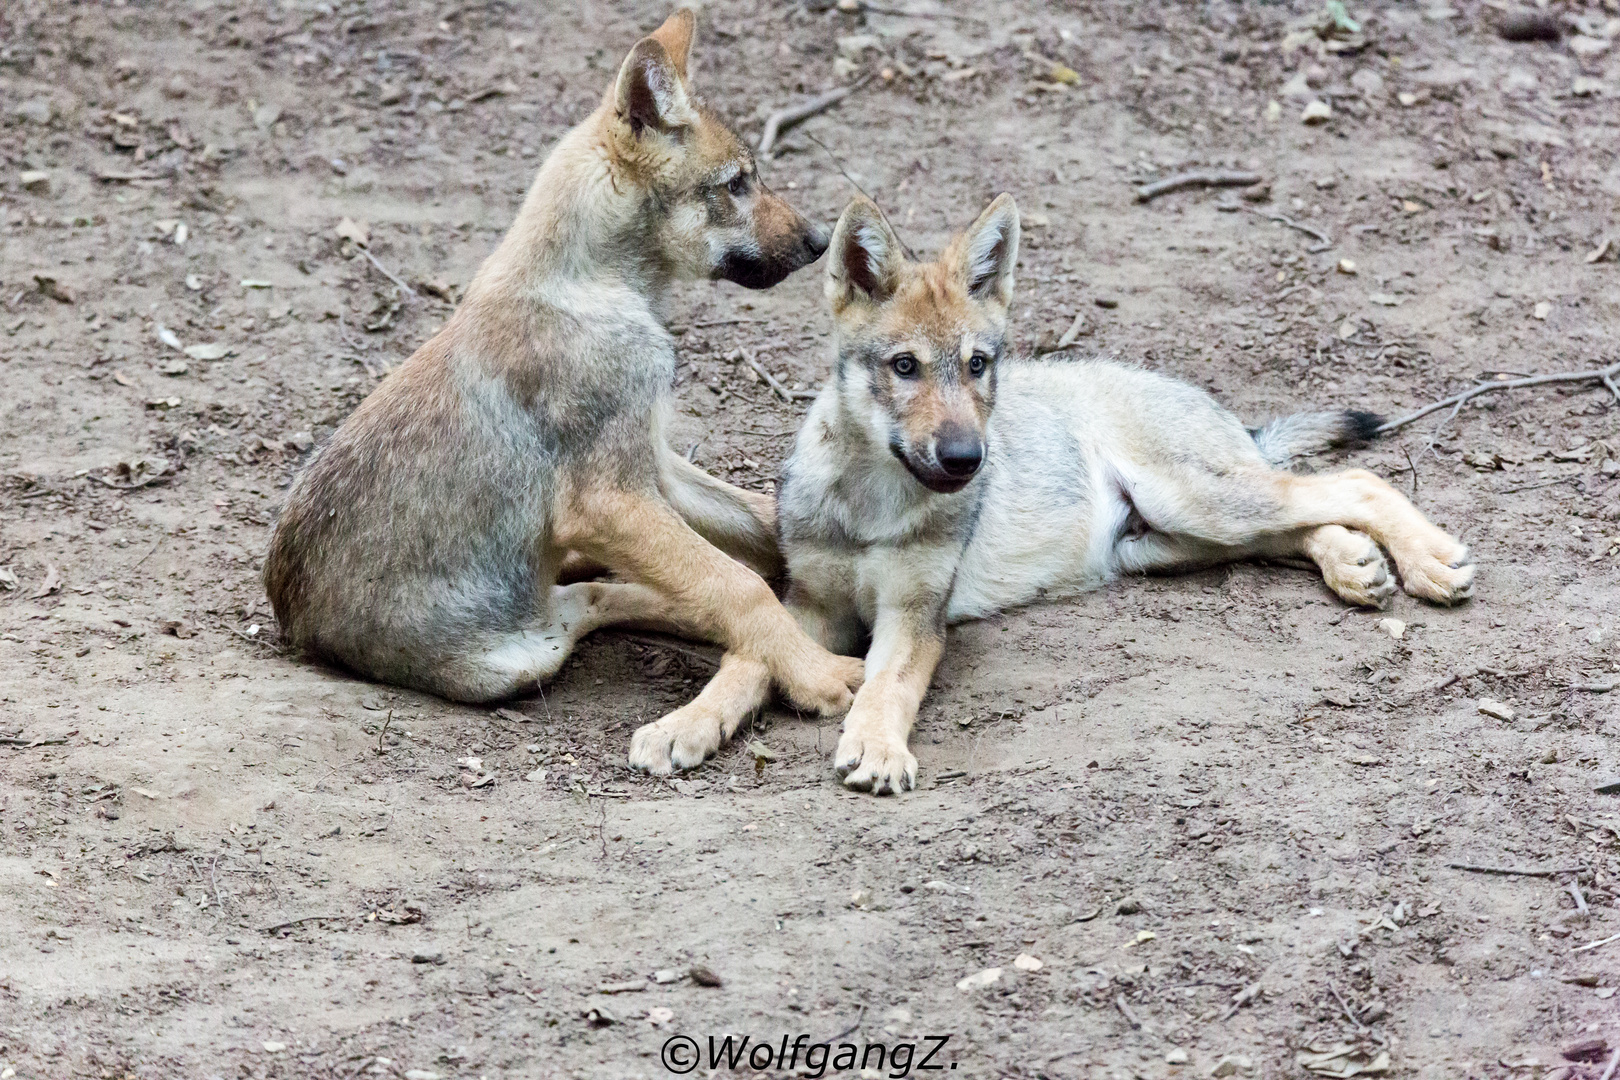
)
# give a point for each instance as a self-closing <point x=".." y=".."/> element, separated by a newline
<point x="1220" y="810"/>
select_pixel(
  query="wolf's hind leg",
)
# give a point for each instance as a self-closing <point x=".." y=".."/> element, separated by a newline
<point x="501" y="665"/>
<point x="1432" y="565"/>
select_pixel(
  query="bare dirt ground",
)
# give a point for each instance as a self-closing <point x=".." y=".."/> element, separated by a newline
<point x="1219" y="810"/>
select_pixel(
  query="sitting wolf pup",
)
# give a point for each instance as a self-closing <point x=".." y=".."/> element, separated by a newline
<point x="933" y="482"/>
<point x="423" y="545"/>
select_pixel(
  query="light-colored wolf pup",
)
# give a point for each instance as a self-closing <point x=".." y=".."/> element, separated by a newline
<point x="422" y="545"/>
<point x="934" y="482"/>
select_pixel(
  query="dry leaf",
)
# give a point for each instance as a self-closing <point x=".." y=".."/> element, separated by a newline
<point x="52" y="582"/>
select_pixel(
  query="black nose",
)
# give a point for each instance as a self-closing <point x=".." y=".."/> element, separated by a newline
<point x="960" y="455"/>
<point x="816" y="240"/>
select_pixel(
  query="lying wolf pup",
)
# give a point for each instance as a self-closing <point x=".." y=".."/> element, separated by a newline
<point x="910" y="503"/>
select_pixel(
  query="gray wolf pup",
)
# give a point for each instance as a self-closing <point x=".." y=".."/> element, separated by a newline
<point x="933" y="482"/>
<point x="422" y="546"/>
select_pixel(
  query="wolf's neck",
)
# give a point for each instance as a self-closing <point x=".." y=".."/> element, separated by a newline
<point x="576" y="225"/>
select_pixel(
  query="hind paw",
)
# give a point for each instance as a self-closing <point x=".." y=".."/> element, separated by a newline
<point x="1445" y="577"/>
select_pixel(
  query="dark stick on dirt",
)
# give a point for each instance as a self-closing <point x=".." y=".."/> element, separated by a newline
<point x="1199" y="178"/>
<point x="783" y="119"/>
<point x="854" y="1025"/>
<point x="1354" y="1019"/>
<point x="26" y="743"/>
<point x="1324" y="240"/>
<point x="1614" y="1060"/>
<point x="839" y="165"/>
<point x="299" y="922"/>
<point x="1604" y="375"/>
<point x="1511" y="871"/>
<point x="1125" y="1011"/>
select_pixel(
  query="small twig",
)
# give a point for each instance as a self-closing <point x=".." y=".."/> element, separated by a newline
<point x="1574" y="887"/>
<point x="28" y="744"/>
<point x="784" y="118"/>
<point x="1326" y="241"/>
<point x="771" y="380"/>
<point x="1596" y="944"/>
<point x="720" y="322"/>
<point x="1248" y="994"/>
<point x="1532" y="487"/>
<point x="151" y="551"/>
<point x="673" y="646"/>
<point x="1604" y="375"/>
<point x="851" y="1028"/>
<point x="1411" y="465"/>
<point x="1197" y="178"/>
<point x="873" y="9"/>
<point x="1125" y="1011"/>
<point x="384" y="731"/>
<point x="1614" y="1060"/>
<point x="839" y="165"/>
<point x="385" y="272"/>
<point x="1354" y="1019"/>
<point x="299" y="922"/>
<point x="1511" y="871"/>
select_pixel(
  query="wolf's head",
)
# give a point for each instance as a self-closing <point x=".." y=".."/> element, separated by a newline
<point x="918" y="343"/>
<point x="708" y="212"/>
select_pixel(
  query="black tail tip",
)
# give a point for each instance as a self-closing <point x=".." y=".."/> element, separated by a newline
<point x="1361" y="426"/>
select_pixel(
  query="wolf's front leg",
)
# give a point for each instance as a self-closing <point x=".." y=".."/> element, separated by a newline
<point x="872" y="753"/>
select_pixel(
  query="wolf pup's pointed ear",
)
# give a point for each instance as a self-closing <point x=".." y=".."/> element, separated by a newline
<point x="676" y="37"/>
<point x="649" y="92"/>
<point x="864" y="259"/>
<point x="986" y="252"/>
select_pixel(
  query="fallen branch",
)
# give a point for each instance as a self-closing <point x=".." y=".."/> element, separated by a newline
<point x="28" y="744"/>
<point x="1510" y="871"/>
<point x="1614" y="1061"/>
<point x="771" y="380"/>
<point x="1326" y="241"/>
<point x="782" y="119"/>
<point x="1604" y="375"/>
<point x="1197" y="178"/>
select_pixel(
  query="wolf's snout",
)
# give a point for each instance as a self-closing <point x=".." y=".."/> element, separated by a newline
<point x="816" y="240"/>
<point x="959" y="452"/>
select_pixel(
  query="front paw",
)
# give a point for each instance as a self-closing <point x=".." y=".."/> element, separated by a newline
<point x="684" y="739"/>
<point x="876" y="763"/>
<point x="828" y="688"/>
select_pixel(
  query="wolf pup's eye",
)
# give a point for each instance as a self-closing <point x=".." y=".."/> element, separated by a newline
<point x="738" y="185"/>
<point x="905" y="366"/>
<point x="976" y="364"/>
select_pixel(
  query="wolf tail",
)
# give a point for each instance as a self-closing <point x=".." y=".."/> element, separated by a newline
<point x="1289" y="437"/>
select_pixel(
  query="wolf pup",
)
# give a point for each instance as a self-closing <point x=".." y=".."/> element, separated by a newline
<point x="422" y="546"/>
<point x="933" y="482"/>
